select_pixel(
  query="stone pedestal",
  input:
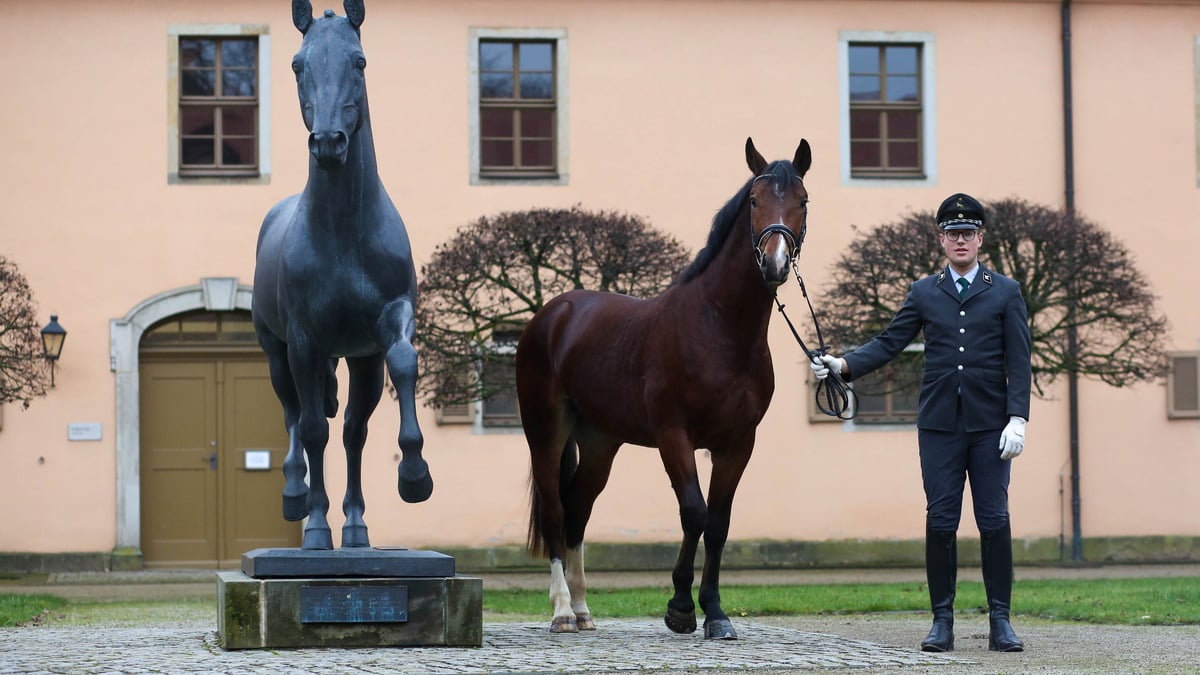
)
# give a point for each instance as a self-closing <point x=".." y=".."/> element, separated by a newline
<point x="348" y="598"/>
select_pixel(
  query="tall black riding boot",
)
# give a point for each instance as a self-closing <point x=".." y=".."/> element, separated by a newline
<point x="996" y="550"/>
<point x="941" y="570"/>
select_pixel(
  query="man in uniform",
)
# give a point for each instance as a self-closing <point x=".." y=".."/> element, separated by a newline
<point x="971" y="418"/>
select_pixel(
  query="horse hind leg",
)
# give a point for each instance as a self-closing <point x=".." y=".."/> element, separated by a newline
<point x="581" y="489"/>
<point x="552" y="462"/>
<point x="366" y="388"/>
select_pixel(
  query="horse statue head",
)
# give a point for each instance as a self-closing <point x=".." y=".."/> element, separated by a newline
<point x="333" y="92"/>
<point x="778" y="210"/>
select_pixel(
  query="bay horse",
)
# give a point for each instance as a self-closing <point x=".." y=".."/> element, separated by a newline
<point x="334" y="278"/>
<point x="685" y="370"/>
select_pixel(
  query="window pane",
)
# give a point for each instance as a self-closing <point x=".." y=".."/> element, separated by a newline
<point x="864" y="88"/>
<point x="537" y="154"/>
<point x="536" y="56"/>
<point x="496" y="122"/>
<point x="870" y="404"/>
<point x="495" y="56"/>
<point x="197" y="53"/>
<point x="864" y="59"/>
<point x="903" y="155"/>
<point x="865" y="155"/>
<point x="904" y="402"/>
<point x="537" y="123"/>
<point x="198" y="151"/>
<point x="198" y="82"/>
<point x="196" y="120"/>
<point x="239" y="53"/>
<point x="237" y="151"/>
<point x="901" y="60"/>
<point x="237" y="83"/>
<point x="237" y="121"/>
<point x="536" y="85"/>
<point x="495" y="85"/>
<point x="902" y="88"/>
<point x="902" y="124"/>
<point x="497" y="154"/>
<point x="864" y="124"/>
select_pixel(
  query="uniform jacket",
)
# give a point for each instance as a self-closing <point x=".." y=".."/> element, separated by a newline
<point x="976" y="348"/>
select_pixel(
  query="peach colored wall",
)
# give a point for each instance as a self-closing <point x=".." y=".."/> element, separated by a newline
<point x="662" y="96"/>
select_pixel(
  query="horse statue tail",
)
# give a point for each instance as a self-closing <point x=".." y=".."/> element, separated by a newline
<point x="535" y="542"/>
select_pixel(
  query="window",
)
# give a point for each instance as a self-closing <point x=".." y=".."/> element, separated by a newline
<point x="218" y="127"/>
<point x="886" y="396"/>
<point x="1183" y="386"/>
<point x="887" y="104"/>
<point x="499" y="375"/>
<point x="517" y="120"/>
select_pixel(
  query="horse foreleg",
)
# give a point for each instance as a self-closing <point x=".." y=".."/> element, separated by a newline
<point x="728" y="466"/>
<point x="308" y="370"/>
<point x="366" y="388"/>
<point x="295" y="490"/>
<point x="415" y="484"/>
<point x="679" y="459"/>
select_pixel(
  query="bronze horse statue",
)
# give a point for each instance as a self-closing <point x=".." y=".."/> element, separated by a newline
<point x="685" y="370"/>
<point x="334" y="279"/>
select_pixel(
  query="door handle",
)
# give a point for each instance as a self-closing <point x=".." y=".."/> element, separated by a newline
<point x="212" y="462"/>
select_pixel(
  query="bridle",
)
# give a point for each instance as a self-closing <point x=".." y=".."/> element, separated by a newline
<point x="833" y="396"/>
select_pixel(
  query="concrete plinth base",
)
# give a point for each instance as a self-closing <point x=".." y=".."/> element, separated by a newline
<point x="348" y="611"/>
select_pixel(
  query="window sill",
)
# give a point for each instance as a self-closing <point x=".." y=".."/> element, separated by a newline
<point x="218" y="179"/>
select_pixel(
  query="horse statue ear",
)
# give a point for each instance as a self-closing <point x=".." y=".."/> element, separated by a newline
<point x="803" y="159"/>
<point x="754" y="160"/>
<point x="355" y="12"/>
<point x="302" y="15"/>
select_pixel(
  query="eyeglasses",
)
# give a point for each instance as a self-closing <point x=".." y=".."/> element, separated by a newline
<point x="960" y="235"/>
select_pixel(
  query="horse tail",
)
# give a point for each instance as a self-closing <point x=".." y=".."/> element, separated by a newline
<point x="535" y="541"/>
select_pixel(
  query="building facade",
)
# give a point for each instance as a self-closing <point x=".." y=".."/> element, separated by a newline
<point x="147" y="140"/>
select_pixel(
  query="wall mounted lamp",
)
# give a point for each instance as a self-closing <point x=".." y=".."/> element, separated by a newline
<point x="53" y="336"/>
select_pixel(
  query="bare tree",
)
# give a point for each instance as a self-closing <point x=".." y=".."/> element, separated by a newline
<point x="1055" y="257"/>
<point x="24" y="371"/>
<point x="483" y="285"/>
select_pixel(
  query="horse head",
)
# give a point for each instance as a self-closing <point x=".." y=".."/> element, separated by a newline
<point x="778" y="210"/>
<point x="330" y="79"/>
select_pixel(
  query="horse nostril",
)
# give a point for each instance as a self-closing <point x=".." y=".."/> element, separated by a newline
<point x="326" y="145"/>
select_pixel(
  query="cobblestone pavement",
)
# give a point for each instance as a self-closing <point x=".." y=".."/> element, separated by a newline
<point x="627" y="645"/>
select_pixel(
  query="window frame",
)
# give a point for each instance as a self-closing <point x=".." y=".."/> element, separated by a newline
<point x="558" y="39"/>
<point x="927" y="140"/>
<point x="176" y="173"/>
<point x="504" y="345"/>
<point x="898" y="423"/>
<point x="1174" y="412"/>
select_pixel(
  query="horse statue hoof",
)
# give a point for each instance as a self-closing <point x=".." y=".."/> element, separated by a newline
<point x="719" y="629"/>
<point x="317" y="539"/>
<point x="564" y="624"/>
<point x="355" y="537"/>
<point x="680" y="622"/>
<point x="295" y="507"/>
<point x="415" y="489"/>
<point x="584" y="622"/>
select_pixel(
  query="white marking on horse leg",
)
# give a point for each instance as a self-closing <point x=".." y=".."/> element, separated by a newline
<point x="560" y="598"/>
<point x="577" y="585"/>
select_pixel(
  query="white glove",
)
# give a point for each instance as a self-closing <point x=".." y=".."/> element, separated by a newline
<point x="826" y="363"/>
<point x="1012" y="439"/>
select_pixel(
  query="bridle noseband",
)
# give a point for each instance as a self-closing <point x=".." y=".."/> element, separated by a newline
<point x="782" y="230"/>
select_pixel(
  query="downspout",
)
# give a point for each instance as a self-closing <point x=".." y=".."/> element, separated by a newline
<point x="1072" y="334"/>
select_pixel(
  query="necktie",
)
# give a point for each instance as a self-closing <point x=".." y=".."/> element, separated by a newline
<point x="962" y="284"/>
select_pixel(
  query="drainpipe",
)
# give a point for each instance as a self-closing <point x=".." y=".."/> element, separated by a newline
<point x="1072" y="335"/>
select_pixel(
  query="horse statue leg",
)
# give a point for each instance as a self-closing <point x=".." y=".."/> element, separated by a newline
<point x="414" y="484"/>
<point x="728" y="466"/>
<point x="309" y="371"/>
<point x="366" y="388"/>
<point x="679" y="459"/>
<point x="295" y="491"/>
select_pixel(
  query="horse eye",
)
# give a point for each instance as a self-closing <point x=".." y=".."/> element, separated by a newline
<point x="361" y="63"/>
<point x="753" y="203"/>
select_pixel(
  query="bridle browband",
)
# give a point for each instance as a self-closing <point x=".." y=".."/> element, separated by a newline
<point x="833" y="396"/>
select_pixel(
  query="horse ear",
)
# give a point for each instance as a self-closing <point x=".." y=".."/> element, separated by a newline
<point x="803" y="159"/>
<point x="302" y="15"/>
<point x="355" y="12"/>
<point x="753" y="159"/>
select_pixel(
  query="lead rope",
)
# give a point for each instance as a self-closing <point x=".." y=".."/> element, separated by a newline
<point x="833" y="396"/>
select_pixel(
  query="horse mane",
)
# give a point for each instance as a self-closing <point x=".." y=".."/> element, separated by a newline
<point x="781" y="173"/>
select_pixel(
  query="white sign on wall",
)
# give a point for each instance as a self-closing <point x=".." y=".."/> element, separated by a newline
<point x="258" y="460"/>
<point x="84" y="431"/>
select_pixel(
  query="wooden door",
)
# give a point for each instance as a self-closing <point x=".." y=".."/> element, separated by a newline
<point x="202" y="505"/>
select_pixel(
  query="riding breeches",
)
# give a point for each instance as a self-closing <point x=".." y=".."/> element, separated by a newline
<point x="948" y="459"/>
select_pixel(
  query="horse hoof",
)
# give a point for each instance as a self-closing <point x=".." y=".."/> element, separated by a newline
<point x="295" y="507"/>
<point x="564" y="624"/>
<point x="415" y="490"/>
<point x="317" y="539"/>
<point x="355" y="537"/>
<point x="584" y="622"/>
<point x="719" y="629"/>
<point x="680" y="622"/>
